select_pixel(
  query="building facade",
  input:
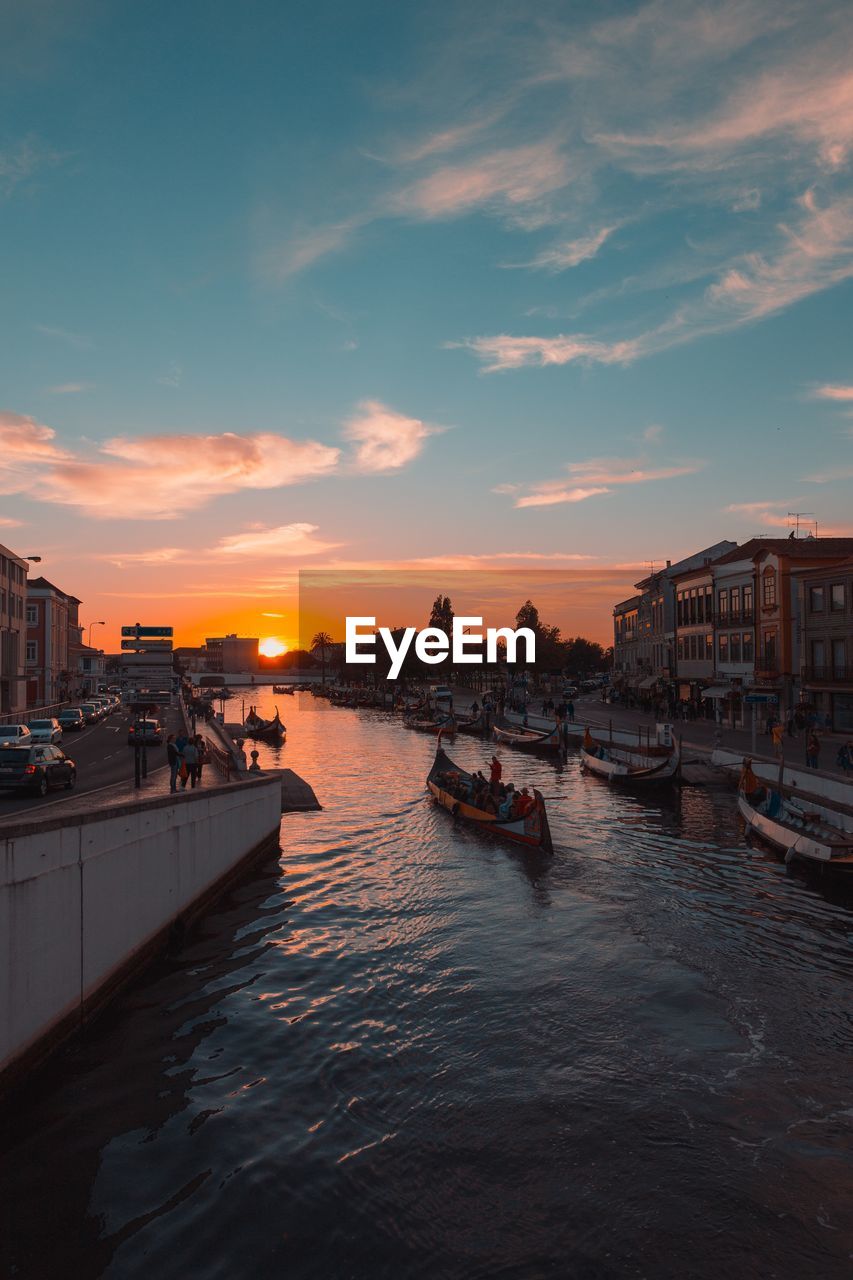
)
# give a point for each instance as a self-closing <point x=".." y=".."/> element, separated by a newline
<point x="48" y="676"/>
<point x="13" y="625"/>
<point x="826" y="643"/>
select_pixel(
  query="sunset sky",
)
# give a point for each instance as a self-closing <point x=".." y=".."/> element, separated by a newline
<point x="453" y="284"/>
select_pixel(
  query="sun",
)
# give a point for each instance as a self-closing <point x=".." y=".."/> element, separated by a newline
<point x="272" y="647"/>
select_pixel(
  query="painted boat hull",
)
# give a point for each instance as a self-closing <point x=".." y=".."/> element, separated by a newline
<point x="618" y="769"/>
<point x="793" y="843"/>
<point x="531" y="832"/>
<point x="529" y="740"/>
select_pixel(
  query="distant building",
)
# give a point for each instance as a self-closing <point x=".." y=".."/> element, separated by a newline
<point x="13" y="590"/>
<point x="231" y="653"/>
<point x="48" y="676"/>
<point x="826" y="642"/>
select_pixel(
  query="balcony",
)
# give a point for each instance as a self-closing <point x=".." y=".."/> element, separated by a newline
<point x="828" y="675"/>
<point x="736" y="618"/>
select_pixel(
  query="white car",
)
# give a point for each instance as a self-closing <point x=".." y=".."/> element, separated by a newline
<point x="46" y="731"/>
<point x="440" y="693"/>
<point x="17" y="735"/>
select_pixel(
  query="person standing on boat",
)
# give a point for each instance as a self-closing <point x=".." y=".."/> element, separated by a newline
<point x="495" y="775"/>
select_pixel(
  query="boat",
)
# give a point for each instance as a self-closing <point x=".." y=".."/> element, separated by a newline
<point x="790" y="827"/>
<point x="471" y="724"/>
<point x="282" y="688"/>
<point x="446" y="725"/>
<point x="529" y="739"/>
<point x="531" y="832"/>
<point x="651" y="763"/>
<point x="270" y="730"/>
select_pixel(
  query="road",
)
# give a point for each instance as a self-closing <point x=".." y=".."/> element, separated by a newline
<point x="102" y="757"/>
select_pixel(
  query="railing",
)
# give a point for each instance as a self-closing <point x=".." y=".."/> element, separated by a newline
<point x="736" y="618"/>
<point x="221" y="760"/>
<point x="839" y="674"/>
<point x="35" y="713"/>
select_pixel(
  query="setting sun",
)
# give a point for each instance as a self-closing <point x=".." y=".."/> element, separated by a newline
<point x="272" y="647"/>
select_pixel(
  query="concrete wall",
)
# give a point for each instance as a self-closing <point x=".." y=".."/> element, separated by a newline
<point x="84" y="897"/>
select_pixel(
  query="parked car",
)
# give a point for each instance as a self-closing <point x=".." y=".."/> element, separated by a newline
<point x="46" y="730"/>
<point x="440" y="693"/>
<point x="570" y="691"/>
<point x="16" y="733"/>
<point x="35" y="768"/>
<point x="71" y="718"/>
<point x="91" y="713"/>
<point x="147" y="732"/>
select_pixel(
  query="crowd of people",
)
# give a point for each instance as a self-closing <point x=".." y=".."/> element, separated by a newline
<point x="489" y="795"/>
<point x="186" y="758"/>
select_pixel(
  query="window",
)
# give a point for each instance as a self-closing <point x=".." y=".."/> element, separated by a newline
<point x="839" y="658"/>
<point x="32" y="614"/>
<point x="709" y="647"/>
<point x="748" y="648"/>
<point x="723" y="604"/>
<point x="680" y="647"/>
<point x="769" y="646"/>
<point x="837" y="597"/>
<point x="818" y="653"/>
<point x="32" y="651"/>
<point x="734" y="647"/>
<point x="709" y="603"/>
<point x="816" y="598"/>
<point x="735" y="600"/>
<point x="723" y="644"/>
<point x="747" y="602"/>
<point x="768" y="585"/>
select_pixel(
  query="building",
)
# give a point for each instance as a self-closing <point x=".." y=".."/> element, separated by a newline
<point x="13" y="675"/>
<point x="48" y="677"/>
<point x="826" y="642"/>
<point x="694" y="632"/>
<point x="231" y="653"/>
<point x="626" y="650"/>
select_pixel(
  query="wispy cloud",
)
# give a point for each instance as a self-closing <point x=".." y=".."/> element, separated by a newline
<point x="173" y="377"/>
<point x="773" y="514"/>
<point x="570" y="253"/>
<point x="505" y="179"/>
<point x="599" y="476"/>
<point x="281" y="540"/>
<point x="386" y="440"/>
<point x="79" y="341"/>
<point x="834" y="392"/>
<point x="71" y="388"/>
<point x="22" y="162"/>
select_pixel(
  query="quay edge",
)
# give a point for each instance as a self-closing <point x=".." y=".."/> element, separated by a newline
<point x="88" y="898"/>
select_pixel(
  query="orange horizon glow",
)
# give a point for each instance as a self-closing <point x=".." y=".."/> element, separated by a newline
<point x="272" y="647"/>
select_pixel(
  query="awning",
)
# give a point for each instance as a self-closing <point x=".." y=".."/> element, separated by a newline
<point x="717" y="691"/>
<point x="648" y="682"/>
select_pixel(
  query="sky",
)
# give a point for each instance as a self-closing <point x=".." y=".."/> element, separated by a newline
<point x="448" y="286"/>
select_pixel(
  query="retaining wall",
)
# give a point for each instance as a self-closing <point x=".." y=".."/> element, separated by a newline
<point x="85" y="898"/>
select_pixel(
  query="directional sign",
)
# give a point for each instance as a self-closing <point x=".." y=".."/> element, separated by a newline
<point x="152" y="646"/>
<point x="147" y="631"/>
<point x="761" y="697"/>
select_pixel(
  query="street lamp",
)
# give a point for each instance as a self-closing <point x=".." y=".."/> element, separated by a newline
<point x="94" y="624"/>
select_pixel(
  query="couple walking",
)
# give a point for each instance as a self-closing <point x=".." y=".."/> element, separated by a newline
<point x="186" y="757"/>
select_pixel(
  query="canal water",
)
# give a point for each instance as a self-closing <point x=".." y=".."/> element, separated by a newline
<point x="407" y="1051"/>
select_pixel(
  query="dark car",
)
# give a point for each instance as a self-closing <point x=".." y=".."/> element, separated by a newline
<point x="36" y="768"/>
<point x="148" y="732"/>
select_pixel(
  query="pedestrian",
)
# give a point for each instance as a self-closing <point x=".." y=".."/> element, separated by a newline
<point x="173" y="757"/>
<point x="844" y="759"/>
<point x="190" y="754"/>
<point x="570" y="710"/>
<point x="776" y="735"/>
<point x="201" y="747"/>
<point x="812" y="750"/>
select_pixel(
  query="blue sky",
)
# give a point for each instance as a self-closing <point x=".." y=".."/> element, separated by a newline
<point x="298" y="285"/>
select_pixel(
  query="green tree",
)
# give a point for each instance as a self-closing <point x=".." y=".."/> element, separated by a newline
<point x="441" y="614"/>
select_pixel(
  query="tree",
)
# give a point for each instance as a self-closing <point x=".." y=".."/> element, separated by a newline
<point x="441" y="615"/>
<point x="321" y="644"/>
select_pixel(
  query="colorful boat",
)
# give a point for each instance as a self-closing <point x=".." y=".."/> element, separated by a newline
<point x="791" y="828"/>
<point x="616" y="762"/>
<point x="529" y="739"/>
<point x="531" y="831"/>
<point x="447" y="725"/>
<point x="269" y="730"/>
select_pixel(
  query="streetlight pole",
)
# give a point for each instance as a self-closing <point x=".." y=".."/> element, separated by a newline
<point x="94" y="624"/>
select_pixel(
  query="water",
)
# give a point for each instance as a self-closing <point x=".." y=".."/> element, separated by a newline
<point x="405" y="1050"/>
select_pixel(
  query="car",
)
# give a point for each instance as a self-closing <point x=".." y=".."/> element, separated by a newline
<point x="46" y="730"/>
<point x="91" y="713"/>
<point x="440" y="693"/>
<point x="145" y="732"/>
<point x="16" y="733"/>
<point x="570" y="691"/>
<point x="71" y="718"/>
<point x="103" y="705"/>
<point x="35" y="768"/>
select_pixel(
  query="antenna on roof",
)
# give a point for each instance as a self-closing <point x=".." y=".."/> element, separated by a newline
<point x="794" y="521"/>
<point x="650" y="565"/>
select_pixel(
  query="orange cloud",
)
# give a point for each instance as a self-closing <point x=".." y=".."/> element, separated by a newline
<point x="386" y="440"/>
<point x="600" y="475"/>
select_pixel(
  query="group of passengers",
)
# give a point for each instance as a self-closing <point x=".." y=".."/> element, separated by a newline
<point x="498" y="798"/>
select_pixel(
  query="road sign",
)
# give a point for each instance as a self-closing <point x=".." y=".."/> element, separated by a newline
<point x="138" y="631"/>
<point x="151" y="646"/>
<point x="761" y="697"/>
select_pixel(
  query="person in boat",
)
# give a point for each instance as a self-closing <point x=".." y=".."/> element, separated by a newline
<point x="588" y="744"/>
<point x="505" y="806"/>
<point x="523" y="803"/>
<point x="749" y="785"/>
<point x="496" y="770"/>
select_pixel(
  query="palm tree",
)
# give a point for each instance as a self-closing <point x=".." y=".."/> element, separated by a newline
<point x="321" y="643"/>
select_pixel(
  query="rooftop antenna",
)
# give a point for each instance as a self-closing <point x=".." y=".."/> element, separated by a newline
<point x="650" y="565"/>
<point x="794" y="519"/>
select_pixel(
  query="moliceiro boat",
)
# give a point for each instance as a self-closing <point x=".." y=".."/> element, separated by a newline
<point x="283" y="688"/>
<point x="445" y="779"/>
<point x="529" y="739"/>
<point x="791" y="827"/>
<point x="445" y="725"/>
<point x="270" y="730"/>
<point x="653" y="762"/>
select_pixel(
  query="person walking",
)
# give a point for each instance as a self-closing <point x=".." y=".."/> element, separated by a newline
<point x="776" y="734"/>
<point x="173" y="756"/>
<point x="570" y="710"/>
<point x="812" y="750"/>
<point x="190" y="754"/>
<point x="201" y="747"/>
